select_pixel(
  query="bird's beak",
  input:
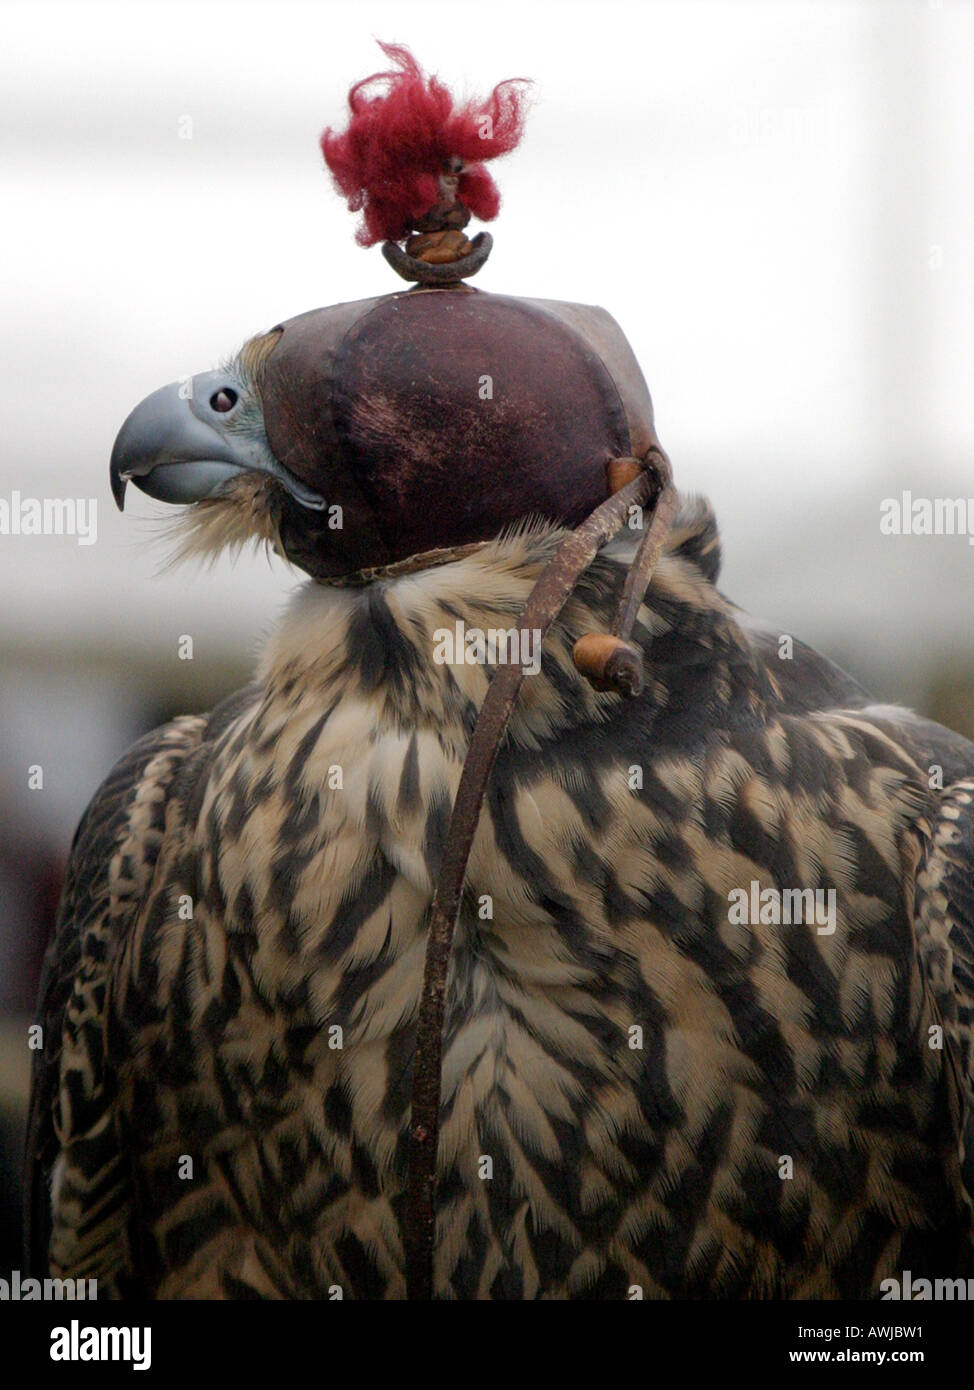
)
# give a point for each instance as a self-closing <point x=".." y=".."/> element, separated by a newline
<point x="171" y="453"/>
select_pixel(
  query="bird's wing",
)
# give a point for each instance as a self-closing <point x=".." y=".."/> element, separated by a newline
<point x="805" y="680"/>
<point x="943" y="903"/>
<point x="944" y="924"/>
<point x="71" y="1129"/>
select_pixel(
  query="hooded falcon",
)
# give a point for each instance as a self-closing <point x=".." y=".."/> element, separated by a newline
<point x="531" y="926"/>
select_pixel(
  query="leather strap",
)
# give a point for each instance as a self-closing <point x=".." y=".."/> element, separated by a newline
<point x="550" y="594"/>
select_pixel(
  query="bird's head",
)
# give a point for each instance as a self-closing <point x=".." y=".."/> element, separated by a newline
<point x="398" y="429"/>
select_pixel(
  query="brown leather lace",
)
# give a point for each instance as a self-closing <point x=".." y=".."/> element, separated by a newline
<point x="609" y="661"/>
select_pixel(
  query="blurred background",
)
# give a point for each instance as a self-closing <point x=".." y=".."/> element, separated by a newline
<point x="773" y="197"/>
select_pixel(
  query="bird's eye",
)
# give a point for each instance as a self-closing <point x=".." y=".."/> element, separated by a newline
<point x="223" y="400"/>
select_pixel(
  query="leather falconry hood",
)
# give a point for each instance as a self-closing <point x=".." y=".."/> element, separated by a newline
<point x="433" y="418"/>
<point x="437" y="416"/>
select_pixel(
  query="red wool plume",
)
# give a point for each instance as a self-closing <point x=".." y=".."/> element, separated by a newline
<point x="403" y="129"/>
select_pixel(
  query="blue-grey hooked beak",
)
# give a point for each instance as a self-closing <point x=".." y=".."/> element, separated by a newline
<point x="172" y="451"/>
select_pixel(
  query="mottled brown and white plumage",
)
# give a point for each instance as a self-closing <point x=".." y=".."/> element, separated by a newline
<point x="213" y="1036"/>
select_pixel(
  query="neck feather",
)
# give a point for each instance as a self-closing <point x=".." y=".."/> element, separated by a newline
<point x="423" y="646"/>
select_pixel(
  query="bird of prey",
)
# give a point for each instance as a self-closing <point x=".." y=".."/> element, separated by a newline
<point x="707" y="1016"/>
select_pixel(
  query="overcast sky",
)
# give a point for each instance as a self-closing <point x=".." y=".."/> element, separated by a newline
<point x="774" y="199"/>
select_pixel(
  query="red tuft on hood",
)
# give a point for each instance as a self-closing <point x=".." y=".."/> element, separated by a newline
<point x="404" y="128"/>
